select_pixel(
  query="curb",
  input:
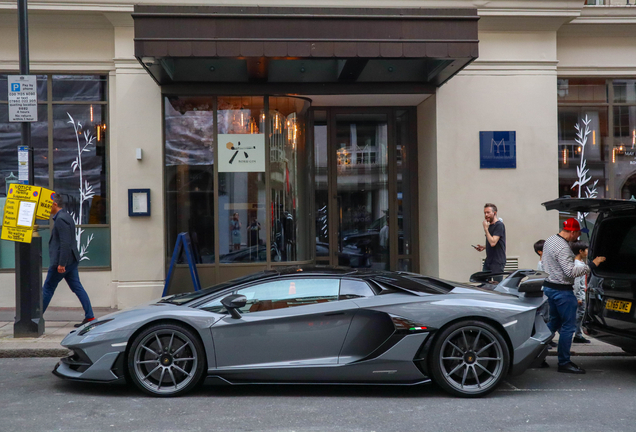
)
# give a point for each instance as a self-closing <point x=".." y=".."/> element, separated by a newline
<point x="595" y="354"/>
<point x="34" y="352"/>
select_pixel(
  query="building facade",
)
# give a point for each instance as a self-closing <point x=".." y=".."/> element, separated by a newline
<point x="343" y="133"/>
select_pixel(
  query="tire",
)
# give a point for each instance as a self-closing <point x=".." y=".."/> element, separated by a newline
<point x="166" y="360"/>
<point x="469" y="359"/>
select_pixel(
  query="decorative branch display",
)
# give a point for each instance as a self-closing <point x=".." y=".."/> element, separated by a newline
<point x="582" y="131"/>
<point x="86" y="189"/>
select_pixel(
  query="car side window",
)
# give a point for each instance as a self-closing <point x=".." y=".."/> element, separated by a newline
<point x="287" y="293"/>
<point x="354" y="289"/>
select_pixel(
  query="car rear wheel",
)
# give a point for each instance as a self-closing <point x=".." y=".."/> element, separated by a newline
<point x="470" y="359"/>
<point x="166" y="360"/>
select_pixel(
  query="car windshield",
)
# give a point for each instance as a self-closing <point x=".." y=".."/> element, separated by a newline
<point x="183" y="298"/>
<point x="616" y="240"/>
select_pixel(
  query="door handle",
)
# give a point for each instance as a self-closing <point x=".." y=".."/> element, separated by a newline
<point x="334" y="313"/>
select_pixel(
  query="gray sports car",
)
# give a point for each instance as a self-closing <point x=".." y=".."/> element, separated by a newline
<point x="319" y="326"/>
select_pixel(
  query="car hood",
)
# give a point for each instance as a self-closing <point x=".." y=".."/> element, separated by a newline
<point x="589" y="205"/>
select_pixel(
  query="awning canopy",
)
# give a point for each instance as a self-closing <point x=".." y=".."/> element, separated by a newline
<point x="311" y="50"/>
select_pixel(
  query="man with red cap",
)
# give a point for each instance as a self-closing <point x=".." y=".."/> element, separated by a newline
<point x="558" y="262"/>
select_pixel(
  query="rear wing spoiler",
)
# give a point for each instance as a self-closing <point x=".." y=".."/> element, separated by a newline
<point x="527" y="281"/>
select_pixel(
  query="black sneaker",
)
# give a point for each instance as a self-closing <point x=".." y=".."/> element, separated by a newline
<point x="580" y="339"/>
<point x="86" y="320"/>
<point x="570" y="368"/>
<point x="552" y="344"/>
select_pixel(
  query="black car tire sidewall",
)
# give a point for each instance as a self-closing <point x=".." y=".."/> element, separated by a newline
<point x="201" y="362"/>
<point x="437" y="372"/>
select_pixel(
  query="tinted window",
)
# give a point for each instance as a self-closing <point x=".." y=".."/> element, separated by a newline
<point x="283" y="294"/>
<point x="354" y="289"/>
<point x="616" y="240"/>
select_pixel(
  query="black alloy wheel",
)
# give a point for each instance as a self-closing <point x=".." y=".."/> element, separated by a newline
<point x="166" y="360"/>
<point x="469" y="359"/>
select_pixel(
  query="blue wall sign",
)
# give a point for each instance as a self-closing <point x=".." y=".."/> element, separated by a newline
<point x="498" y="149"/>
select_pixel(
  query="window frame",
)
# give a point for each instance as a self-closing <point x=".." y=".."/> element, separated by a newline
<point x="50" y="103"/>
<point x="612" y="188"/>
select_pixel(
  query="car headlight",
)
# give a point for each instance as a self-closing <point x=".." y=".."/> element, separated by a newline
<point x="93" y="325"/>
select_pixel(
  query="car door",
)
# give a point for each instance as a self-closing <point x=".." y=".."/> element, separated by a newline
<point x="287" y="322"/>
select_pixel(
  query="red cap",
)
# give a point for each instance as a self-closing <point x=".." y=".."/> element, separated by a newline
<point x="571" y="225"/>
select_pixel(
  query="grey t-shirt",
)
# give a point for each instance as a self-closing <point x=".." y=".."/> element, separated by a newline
<point x="496" y="256"/>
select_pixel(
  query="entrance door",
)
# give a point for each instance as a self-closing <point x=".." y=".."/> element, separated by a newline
<point x="360" y="188"/>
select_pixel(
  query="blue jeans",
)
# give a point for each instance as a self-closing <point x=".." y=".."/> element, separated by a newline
<point x="71" y="276"/>
<point x="563" y="305"/>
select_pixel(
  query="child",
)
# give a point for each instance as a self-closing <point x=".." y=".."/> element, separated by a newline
<point x="538" y="248"/>
<point x="580" y="251"/>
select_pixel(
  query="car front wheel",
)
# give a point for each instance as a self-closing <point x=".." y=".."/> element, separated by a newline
<point x="166" y="360"/>
<point x="469" y="359"/>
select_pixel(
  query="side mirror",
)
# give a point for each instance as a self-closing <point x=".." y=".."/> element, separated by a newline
<point x="233" y="302"/>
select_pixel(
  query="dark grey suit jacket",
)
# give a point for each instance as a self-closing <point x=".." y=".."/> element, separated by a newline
<point x="62" y="245"/>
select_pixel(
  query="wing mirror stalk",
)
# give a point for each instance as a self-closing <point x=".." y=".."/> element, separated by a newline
<point x="233" y="302"/>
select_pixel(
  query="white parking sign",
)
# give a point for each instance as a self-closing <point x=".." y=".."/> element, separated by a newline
<point x="23" y="98"/>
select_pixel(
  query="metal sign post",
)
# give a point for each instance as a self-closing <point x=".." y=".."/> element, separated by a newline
<point x="28" y="256"/>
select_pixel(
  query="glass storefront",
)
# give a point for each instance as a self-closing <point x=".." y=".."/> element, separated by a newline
<point x="364" y="192"/>
<point x="70" y="141"/>
<point x="259" y="178"/>
<point x="597" y="138"/>
<point x="243" y="182"/>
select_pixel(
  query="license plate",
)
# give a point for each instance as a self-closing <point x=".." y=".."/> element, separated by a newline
<point x="618" y="305"/>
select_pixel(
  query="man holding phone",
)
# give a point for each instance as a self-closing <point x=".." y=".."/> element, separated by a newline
<point x="495" y="242"/>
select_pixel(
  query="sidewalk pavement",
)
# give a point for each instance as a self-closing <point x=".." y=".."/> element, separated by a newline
<point x="60" y="321"/>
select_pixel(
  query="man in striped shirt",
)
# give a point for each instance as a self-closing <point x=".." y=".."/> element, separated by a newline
<point x="558" y="262"/>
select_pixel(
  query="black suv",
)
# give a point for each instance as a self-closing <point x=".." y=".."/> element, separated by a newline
<point x="611" y="288"/>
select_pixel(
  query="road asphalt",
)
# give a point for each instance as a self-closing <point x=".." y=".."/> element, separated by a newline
<point x="60" y="321"/>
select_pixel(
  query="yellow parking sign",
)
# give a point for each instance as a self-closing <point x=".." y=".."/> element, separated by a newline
<point x="24" y="192"/>
<point x="24" y="204"/>
<point x="45" y="203"/>
<point x="11" y="208"/>
<point x="23" y="235"/>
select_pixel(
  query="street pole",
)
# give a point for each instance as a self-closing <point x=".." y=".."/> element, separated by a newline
<point x="28" y="256"/>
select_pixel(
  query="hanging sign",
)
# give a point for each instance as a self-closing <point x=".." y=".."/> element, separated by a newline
<point x="22" y="235"/>
<point x="17" y="223"/>
<point x="11" y="208"/>
<point x="24" y="192"/>
<point x="24" y="204"/>
<point x="43" y="210"/>
<point x="23" y="98"/>
<point x="241" y="153"/>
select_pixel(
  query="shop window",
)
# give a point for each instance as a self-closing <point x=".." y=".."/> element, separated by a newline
<point x="288" y="180"/>
<point x="242" y="227"/>
<point x="77" y="152"/>
<point x="587" y="90"/>
<point x="605" y="166"/>
<point x="189" y="153"/>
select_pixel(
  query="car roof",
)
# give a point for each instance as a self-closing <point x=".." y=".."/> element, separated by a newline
<point x="590" y="205"/>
